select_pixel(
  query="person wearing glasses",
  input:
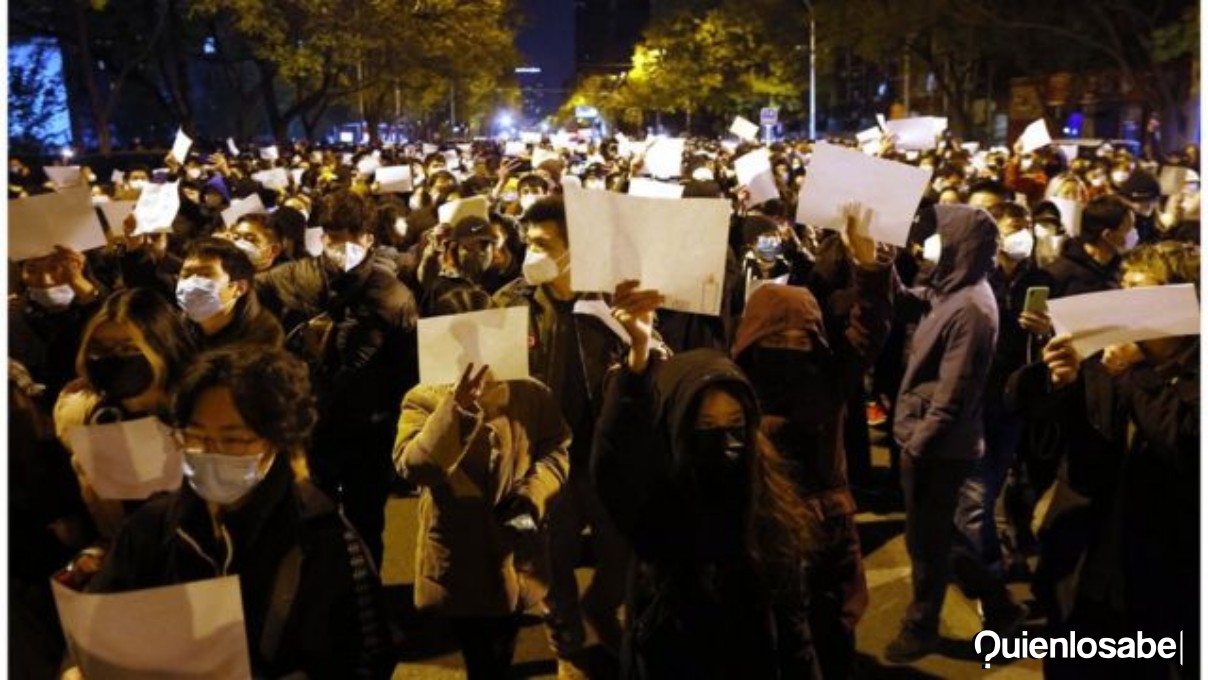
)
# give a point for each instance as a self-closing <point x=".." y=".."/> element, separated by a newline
<point x="242" y="417"/>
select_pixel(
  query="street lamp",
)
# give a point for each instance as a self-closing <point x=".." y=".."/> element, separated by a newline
<point x="809" y="7"/>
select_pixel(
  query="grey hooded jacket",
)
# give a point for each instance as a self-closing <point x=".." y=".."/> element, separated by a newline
<point x="939" y="409"/>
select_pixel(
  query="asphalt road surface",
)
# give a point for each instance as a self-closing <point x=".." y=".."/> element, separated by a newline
<point x="428" y="654"/>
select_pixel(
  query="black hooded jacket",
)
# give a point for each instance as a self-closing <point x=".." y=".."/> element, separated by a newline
<point x="939" y="411"/>
<point x="696" y="606"/>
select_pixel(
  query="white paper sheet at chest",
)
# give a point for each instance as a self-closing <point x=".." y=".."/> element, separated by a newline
<point x="128" y="460"/>
<point x="676" y="247"/>
<point x="190" y="630"/>
<point x="1097" y="320"/>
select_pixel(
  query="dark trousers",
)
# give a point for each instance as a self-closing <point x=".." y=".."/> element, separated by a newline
<point x="838" y="596"/>
<point x="354" y="466"/>
<point x="578" y="507"/>
<point x="930" y="489"/>
<point x="487" y="644"/>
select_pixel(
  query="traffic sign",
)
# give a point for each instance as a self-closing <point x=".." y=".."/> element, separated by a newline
<point x="769" y="116"/>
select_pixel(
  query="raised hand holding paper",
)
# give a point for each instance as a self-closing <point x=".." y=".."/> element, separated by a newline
<point x="675" y="247"/>
<point x="231" y="147"/>
<point x="240" y="207"/>
<point x="453" y="211"/>
<point x="115" y="213"/>
<point x="839" y="176"/>
<point x="495" y="337"/>
<point x="269" y="153"/>
<point x="754" y="171"/>
<point x="916" y="134"/>
<point x="744" y="129"/>
<point x="1035" y="136"/>
<point x="180" y="147"/>
<point x="157" y="208"/>
<point x="666" y="158"/>
<point x="1098" y="320"/>
<point x="393" y="179"/>
<point x="38" y="223"/>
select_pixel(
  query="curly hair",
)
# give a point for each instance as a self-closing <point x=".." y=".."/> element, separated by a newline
<point x="270" y="388"/>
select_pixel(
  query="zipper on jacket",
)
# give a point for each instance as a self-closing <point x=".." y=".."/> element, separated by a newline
<point x="226" y="539"/>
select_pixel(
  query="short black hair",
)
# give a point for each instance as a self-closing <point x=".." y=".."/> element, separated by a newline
<point x="989" y="186"/>
<point x="548" y="209"/>
<point x="270" y="388"/>
<point x="1103" y="213"/>
<point x="342" y="211"/>
<point x="234" y="261"/>
<point x="1008" y="210"/>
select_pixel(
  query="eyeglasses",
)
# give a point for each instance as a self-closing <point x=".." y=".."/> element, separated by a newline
<point x="190" y="439"/>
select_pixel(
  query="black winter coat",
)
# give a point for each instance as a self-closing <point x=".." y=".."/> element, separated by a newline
<point x="170" y="540"/>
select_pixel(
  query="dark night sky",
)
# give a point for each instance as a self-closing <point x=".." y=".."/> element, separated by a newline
<point x="565" y="37"/>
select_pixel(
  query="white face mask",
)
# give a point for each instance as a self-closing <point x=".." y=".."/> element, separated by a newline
<point x="1018" y="246"/>
<point x="400" y="227"/>
<point x="199" y="297"/>
<point x="510" y="197"/>
<point x="594" y="184"/>
<point x="193" y="173"/>
<point x="540" y="268"/>
<point x="251" y="250"/>
<point x="222" y="479"/>
<point x="347" y="256"/>
<point x="1026" y="164"/>
<point x="932" y="248"/>
<point x="1131" y="239"/>
<point x="54" y="297"/>
<point x="1120" y="177"/>
<point x="527" y="200"/>
<point x="138" y="184"/>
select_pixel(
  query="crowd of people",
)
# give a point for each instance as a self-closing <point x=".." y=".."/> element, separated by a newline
<point x="708" y="460"/>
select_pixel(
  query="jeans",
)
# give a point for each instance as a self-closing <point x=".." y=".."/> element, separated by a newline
<point x="978" y="553"/>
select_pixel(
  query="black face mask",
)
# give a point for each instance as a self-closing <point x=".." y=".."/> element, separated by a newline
<point x="475" y="263"/>
<point x="718" y="457"/>
<point x="120" y="377"/>
<point x="783" y="378"/>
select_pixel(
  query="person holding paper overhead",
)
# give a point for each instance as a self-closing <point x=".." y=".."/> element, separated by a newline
<point x="570" y="351"/>
<point x="719" y="534"/>
<point x="938" y="425"/>
<point x="1121" y="541"/>
<point x="804" y="378"/>
<point x="310" y="590"/>
<point x="355" y="323"/>
<point x="490" y="457"/>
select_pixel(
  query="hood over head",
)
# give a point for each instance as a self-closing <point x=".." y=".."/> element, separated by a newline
<point x="775" y="308"/>
<point x="969" y="239"/>
<point x="679" y="383"/>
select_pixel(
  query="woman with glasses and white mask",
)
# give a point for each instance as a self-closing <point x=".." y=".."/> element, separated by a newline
<point x="243" y="417"/>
